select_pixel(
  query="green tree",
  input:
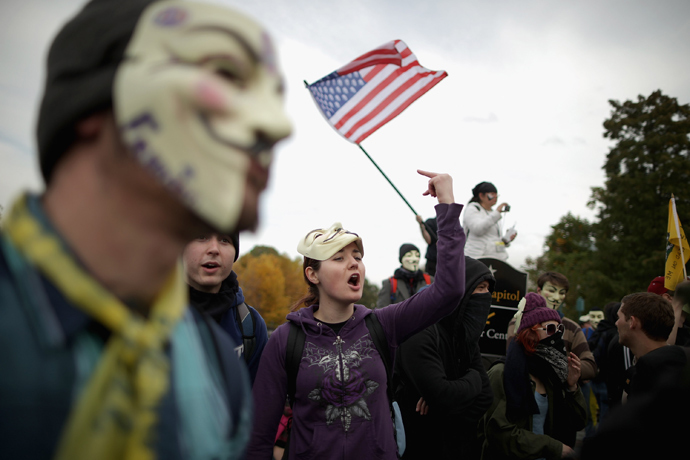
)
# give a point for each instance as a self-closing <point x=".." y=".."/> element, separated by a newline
<point x="624" y="248"/>
<point x="570" y="250"/>
<point x="647" y="163"/>
<point x="370" y="294"/>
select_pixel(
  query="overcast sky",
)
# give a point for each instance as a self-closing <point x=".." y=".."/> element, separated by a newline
<point x="522" y="107"/>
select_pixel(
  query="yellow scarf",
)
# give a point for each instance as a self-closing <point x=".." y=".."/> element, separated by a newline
<point x="115" y="415"/>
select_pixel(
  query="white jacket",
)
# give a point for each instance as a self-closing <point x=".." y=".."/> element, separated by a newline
<point x="483" y="233"/>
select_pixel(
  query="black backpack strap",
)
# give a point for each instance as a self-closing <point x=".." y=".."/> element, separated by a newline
<point x="247" y="326"/>
<point x="293" y="356"/>
<point x="381" y="344"/>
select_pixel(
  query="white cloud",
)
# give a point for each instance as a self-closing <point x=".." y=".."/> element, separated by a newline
<point x="539" y="71"/>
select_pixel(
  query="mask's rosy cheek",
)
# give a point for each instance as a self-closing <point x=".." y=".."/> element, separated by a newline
<point x="209" y="94"/>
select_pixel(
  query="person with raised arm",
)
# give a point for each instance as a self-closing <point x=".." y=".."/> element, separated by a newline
<point x="341" y="406"/>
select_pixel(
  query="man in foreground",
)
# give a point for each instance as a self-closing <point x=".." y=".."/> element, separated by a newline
<point x="157" y="124"/>
<point x="645" y="321"/>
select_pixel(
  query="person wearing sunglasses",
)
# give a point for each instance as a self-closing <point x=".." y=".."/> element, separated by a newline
<point x="481" y="222"/>
<point x="553" y="287"/>
<point x="538" y="404"/>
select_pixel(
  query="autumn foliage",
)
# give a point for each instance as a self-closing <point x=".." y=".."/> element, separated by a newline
<point x="271" y="283"/>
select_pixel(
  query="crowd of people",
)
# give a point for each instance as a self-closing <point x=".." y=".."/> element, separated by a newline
<point x="125" y="332"/>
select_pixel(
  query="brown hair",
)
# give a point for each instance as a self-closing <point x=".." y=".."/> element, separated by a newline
<point x="312" y="296"/>
<point x="654" y="312"/>
<point x="555" y="278"/>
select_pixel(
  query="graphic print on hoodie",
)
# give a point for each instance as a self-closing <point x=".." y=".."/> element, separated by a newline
<point x="344" y="385"/>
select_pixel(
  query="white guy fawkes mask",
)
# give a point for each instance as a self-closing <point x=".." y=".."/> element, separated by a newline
<point x="595" y="316"/>
<point x="198" y="99"/>
<point x="554" y="295"/>
<point x="410" y="261"/>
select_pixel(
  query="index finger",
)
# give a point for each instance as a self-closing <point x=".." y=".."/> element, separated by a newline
<point x="427" y="173"/>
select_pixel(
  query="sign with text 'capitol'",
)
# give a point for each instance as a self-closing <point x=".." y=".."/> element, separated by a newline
<point x="511" y="286"/>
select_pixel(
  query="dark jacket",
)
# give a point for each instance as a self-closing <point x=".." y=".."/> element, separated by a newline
<point x="505" y="439"/>
<point x="440" y="365"/>
<point x="409" y="283"/>
<point x="649" y="426"/>
<point x="656" y="368"/>
<point x="44" y="367"/>
<point x="599" y="345"/>
<point x="222" y="307"/>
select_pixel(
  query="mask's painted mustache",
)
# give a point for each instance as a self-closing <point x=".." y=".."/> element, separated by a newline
<point x="261" y="145"/>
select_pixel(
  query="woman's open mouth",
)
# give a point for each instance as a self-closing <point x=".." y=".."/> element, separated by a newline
<point x="354" y="280"/>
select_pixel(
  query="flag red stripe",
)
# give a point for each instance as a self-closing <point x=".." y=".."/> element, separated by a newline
<point x="402" y="107"/>
<point x="372" y="94"/>
<point x="348" y="69"/>
<point x="387" y="101"/>
<point x="374" y="72"/>
<point x="373" y="57"/>
<point x="384" y="103"/>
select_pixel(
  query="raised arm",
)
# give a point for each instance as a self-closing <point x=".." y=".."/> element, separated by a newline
<point x="423" y="309"/>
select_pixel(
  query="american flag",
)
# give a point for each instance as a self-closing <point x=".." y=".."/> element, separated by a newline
<point x="370" y="91"/>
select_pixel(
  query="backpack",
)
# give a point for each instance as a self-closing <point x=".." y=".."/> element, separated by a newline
<point x="394" y="285"/>
<point x="293" y="357"/>
<point x="246" y="324"/>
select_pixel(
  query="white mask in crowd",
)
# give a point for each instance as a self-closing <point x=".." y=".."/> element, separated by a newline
<point x="410" y="261"/>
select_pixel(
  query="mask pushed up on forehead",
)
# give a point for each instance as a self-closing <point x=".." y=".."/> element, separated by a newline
<point x="198" y="99"/>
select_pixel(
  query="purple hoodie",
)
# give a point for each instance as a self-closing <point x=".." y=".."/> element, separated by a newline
<point x="341" y="407"/>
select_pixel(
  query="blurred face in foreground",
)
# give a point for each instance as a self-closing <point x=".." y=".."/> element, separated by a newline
<point x="199" y="102"/>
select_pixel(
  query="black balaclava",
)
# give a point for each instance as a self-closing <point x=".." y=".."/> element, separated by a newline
<point x="468" y="320"/>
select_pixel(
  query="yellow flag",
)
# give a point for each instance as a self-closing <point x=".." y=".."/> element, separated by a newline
<point x="677" y="249"/>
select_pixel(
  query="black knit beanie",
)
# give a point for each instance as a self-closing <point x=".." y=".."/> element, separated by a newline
<point x="82" y="63"/>
<point x="405" y="248"/>
<point x="235" y="238"/>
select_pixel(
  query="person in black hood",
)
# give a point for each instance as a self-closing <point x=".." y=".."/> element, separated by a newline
<point x="599" y="342"/>
<point x="406" y="281"/>
<point x="440" y="381"/>
<point x="214" y="290"/>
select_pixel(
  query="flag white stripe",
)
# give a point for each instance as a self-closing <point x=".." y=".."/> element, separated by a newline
<point x="394" y="105"/>
<point x="362" y="94"/>
<point x="380" y="97"/>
